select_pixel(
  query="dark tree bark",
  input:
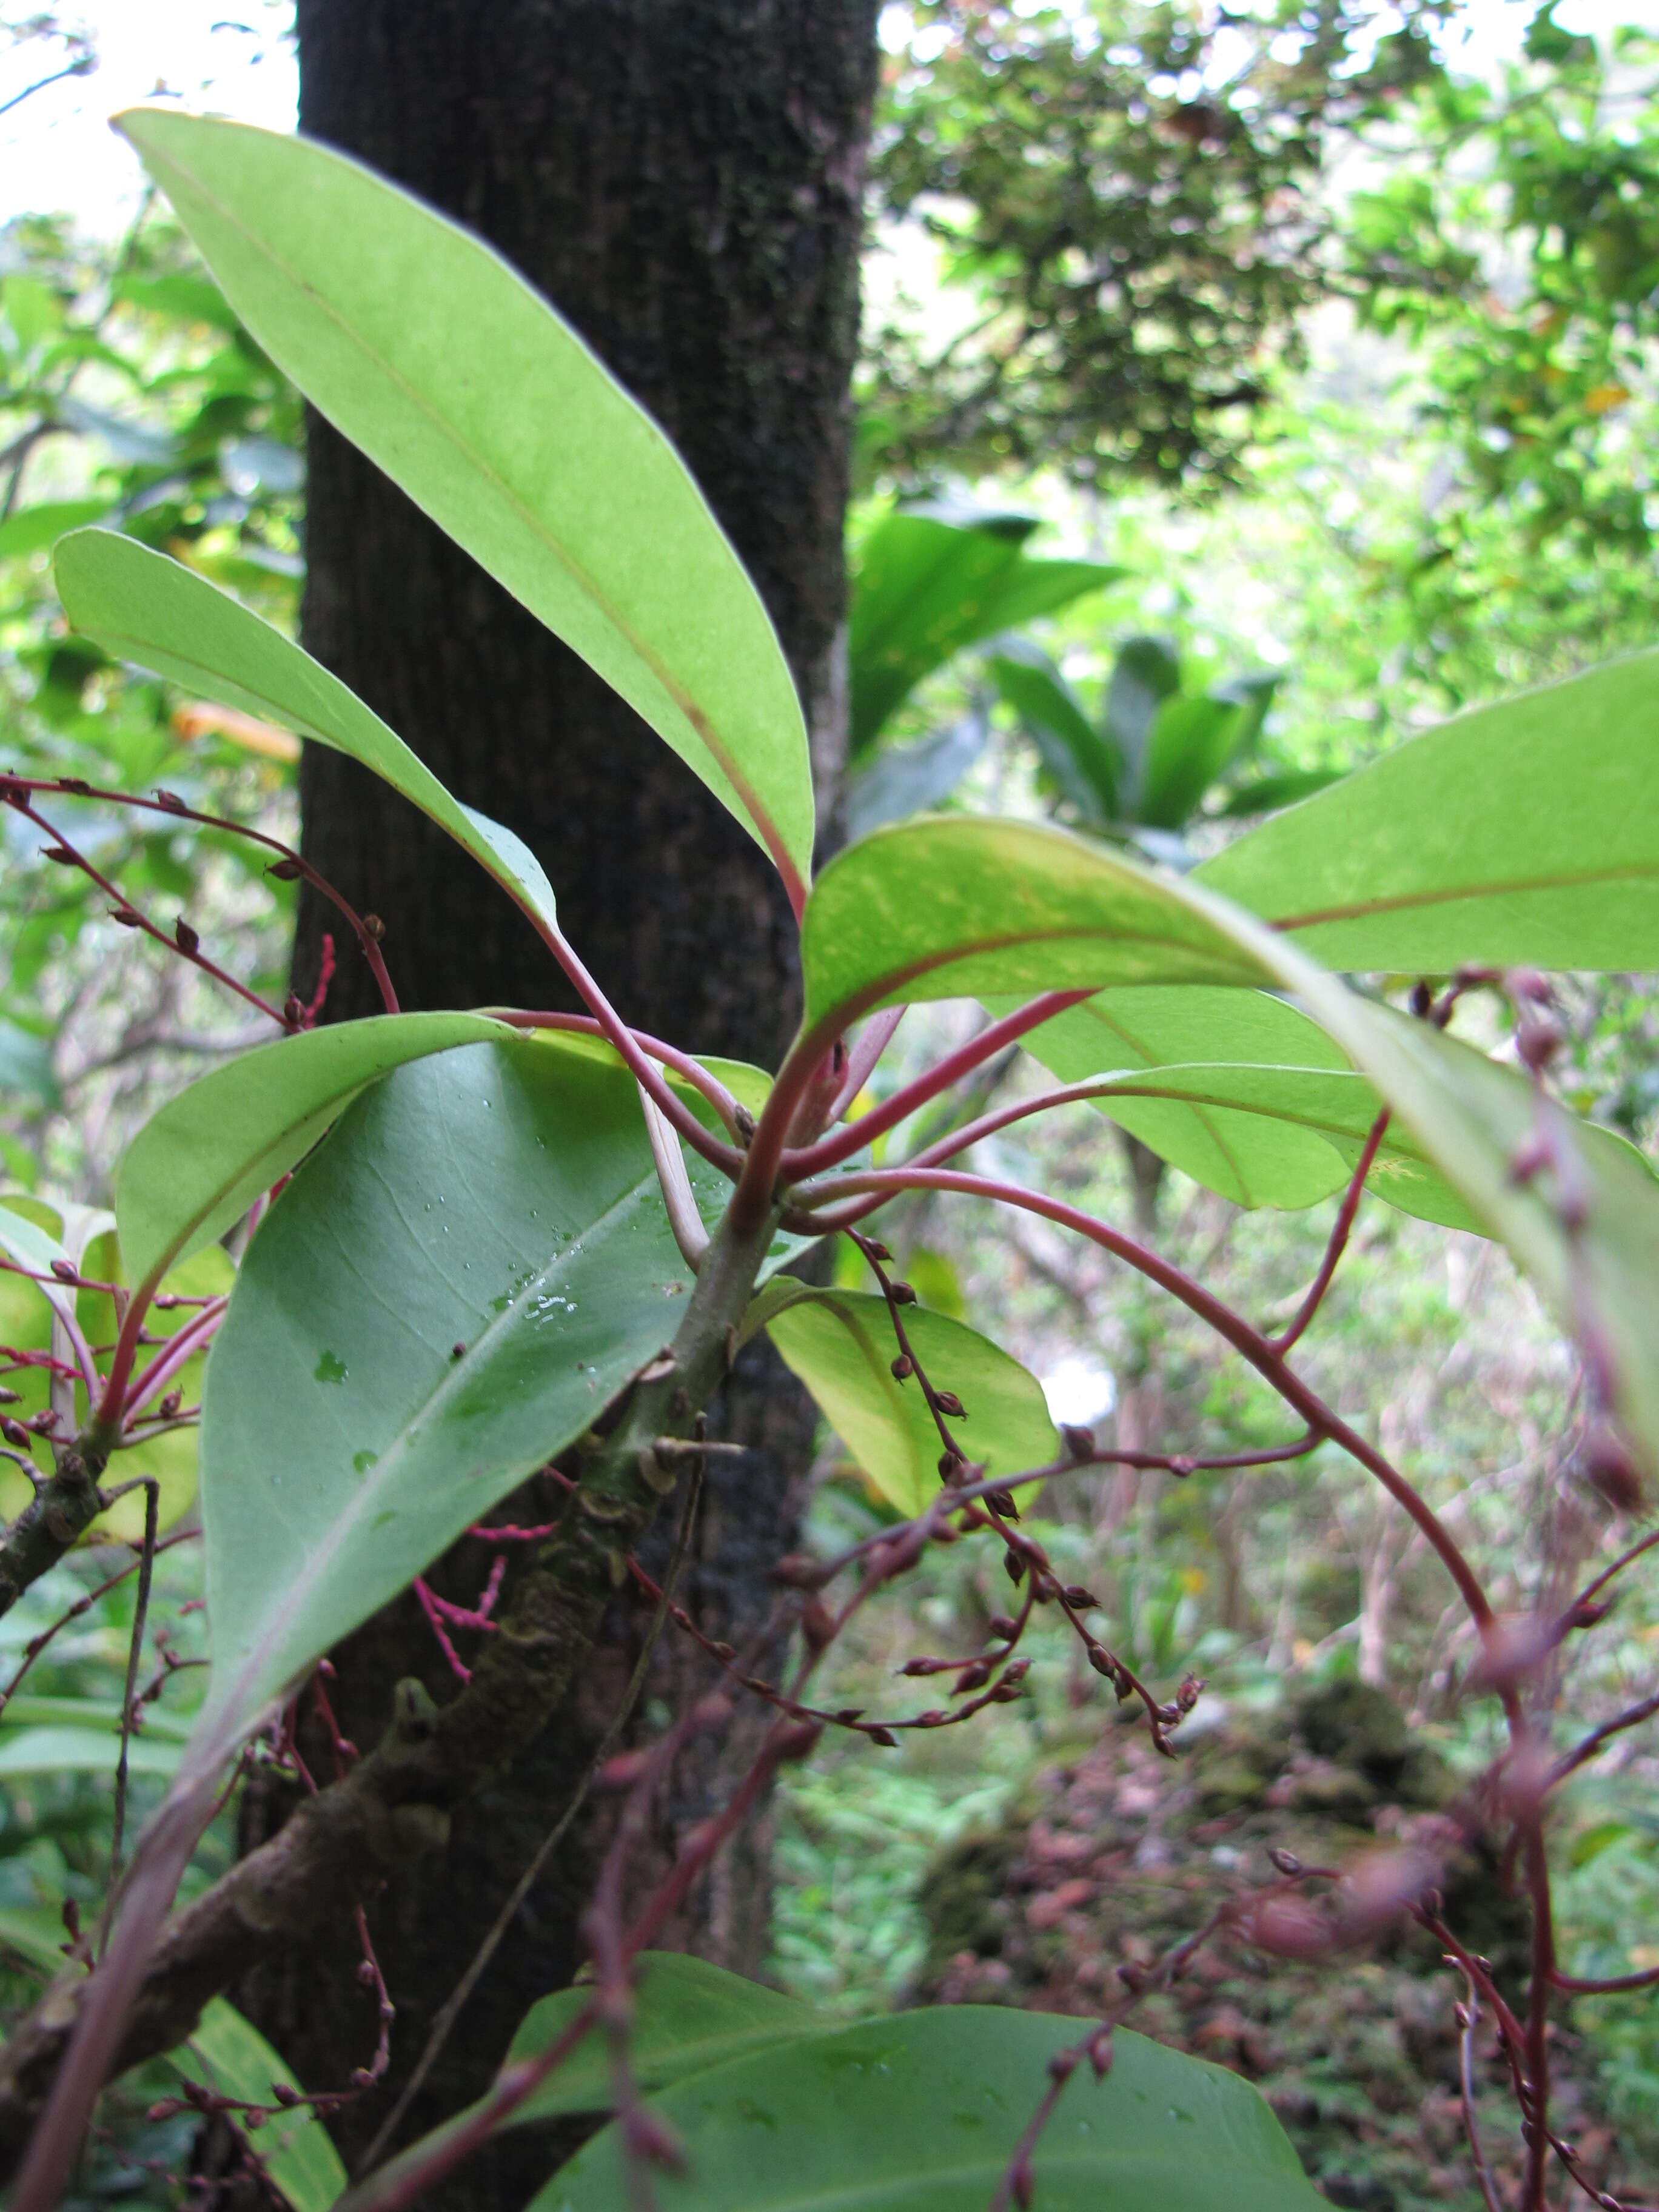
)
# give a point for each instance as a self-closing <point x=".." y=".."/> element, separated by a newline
<point x="682" y="178"/>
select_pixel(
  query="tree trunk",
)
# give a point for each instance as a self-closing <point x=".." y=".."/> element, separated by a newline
<point x="682" y="178"/>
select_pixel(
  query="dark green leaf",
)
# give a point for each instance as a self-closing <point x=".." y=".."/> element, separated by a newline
<point x="294" y="2148"/>
<point x="1189" y="743"/>
<point x="1146" y="673"/>
<point x="1269" y="793"/>
<point x="688" y="2015"/>
<point x="197" y="1166"/>
<point x="500" y="1197"/>
<point x="927" y="586"/>
<point x="903" y="780"/>
<point x="924" y="2112"/>
<point x="1082" y="762"/>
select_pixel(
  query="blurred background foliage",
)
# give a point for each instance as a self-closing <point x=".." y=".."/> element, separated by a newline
<point x="1244" y="388"/>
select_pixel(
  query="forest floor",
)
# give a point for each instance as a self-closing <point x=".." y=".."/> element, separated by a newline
<point x="1108" y="1860"/>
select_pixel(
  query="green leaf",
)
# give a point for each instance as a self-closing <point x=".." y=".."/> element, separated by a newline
<point x="142" y="606"/>
<point x="953" y="907"/>
<point x="1082" y="762"/>
<point x="940" y="909"/>
<point x="293" y="2145"/>
<point x="901" y="779"/>
<point x="1269" y="793"/>
<point x="87" y="1713"/>
<point x="924" y="2110"/>
<point x="500" y="1197"/>
<point x="1247" y="1160"/>
<point x="931" y="582"/>
<point x="196" y="1167"/>
<point x="1600" y="1837"/>
<point x="1525" y="833"/>
<point x="1189" y="743"/>
<point x="1300" y="1113"/>
<point x="1474" y="1119"/>
<point x="840" y="1344"/>
<point x="1146" y="673"/>
<point x="688" y="2015"/>
<point x="82" y="1751"/>
<point x="34" y="1248"/>
<point x="32" y="529"/>
<point x="427" y="350"/>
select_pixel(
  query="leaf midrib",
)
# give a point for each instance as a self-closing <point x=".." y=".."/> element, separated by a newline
<point x="370" y="1490"/>
<point x="866" y="995"/>
<point x="702" y="729"/>
<point x="1507" y="887"/>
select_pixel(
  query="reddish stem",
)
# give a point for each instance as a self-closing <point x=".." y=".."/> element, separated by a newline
<point x="842" y="1144"/>
<point x="1338" y="1237"/>
<point x="1232" y="1328"/>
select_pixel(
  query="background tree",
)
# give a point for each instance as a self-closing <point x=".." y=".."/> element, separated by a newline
<point x="683" y="182"/>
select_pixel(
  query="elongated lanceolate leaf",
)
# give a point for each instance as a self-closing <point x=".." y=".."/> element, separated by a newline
<point x="62" y="1750"/>
<point x="951" y="907"/>
<point x="1476" y="1121"/>
<point x="448" y="1293"/>
<point x="1301" y="1112"/>
<point x="937" y="907"/>
<point x="142" y="606"/>
<point x="427" y="350"/>
<point x="688" y="2016"/>
<point x="841" y="1345"/>
<point x="1241" y="1157"/>
<point x="1524" y="833"/>
<point x="197" y="1166"/>
<point x="922" y="2112"/>
<point x="934" y="580"/>
<point x="1083" y="764"/>
<point x="295" y="2148"/>
<point x="913" y="778"/>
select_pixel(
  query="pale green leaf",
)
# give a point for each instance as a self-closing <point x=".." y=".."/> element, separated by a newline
<point x="424" y="347"/>
<point x="1522" y="834"/>
<point x="233" y="2058"/>
<point x="60" y="1750"/>
<point x="142" y="606"/>
<point x="1241" y="1157"/>
<point x="841" y="1345"/>
<point x="954" y="906"/>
